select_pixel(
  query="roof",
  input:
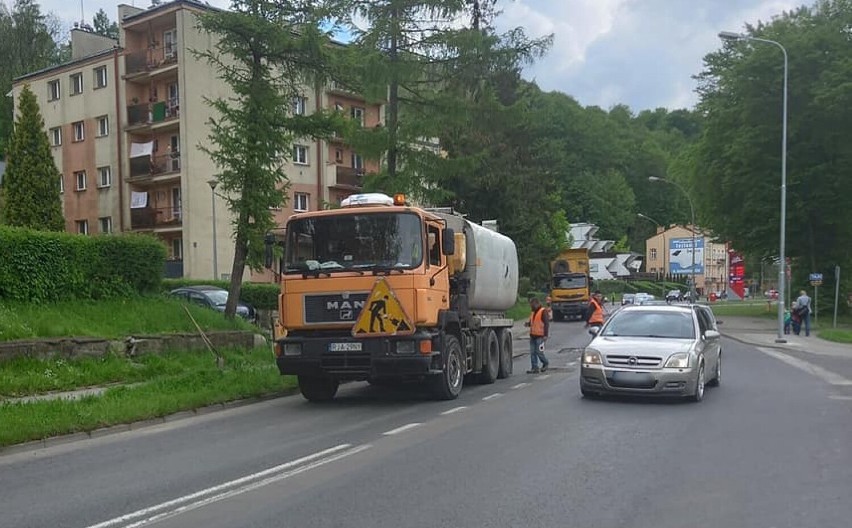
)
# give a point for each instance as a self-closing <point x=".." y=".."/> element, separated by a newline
<point x="168" y="5"/>
<point x="81" y="60"/>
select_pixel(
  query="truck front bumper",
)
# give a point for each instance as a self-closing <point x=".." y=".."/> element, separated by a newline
<point x="347" y="358"/>
<point x="569" y="308"/>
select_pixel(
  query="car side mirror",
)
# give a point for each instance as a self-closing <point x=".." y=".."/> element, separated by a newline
<point x="712" y="334"/>
<point x="594" y="330"/>
<point x="448" y="241"/>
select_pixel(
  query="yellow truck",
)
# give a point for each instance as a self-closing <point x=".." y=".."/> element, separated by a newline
<point x="569" y="285"/>
<point x="378" y="290"/>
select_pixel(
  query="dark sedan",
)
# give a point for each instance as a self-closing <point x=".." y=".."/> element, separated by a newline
<point x="215" y="298"/>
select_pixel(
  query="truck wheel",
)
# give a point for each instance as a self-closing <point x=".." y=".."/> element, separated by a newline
<point x="506" y="354"/>
<point x="492" y="358"/>
<point x="448" y="384"/>
<point x="318" y="389"/>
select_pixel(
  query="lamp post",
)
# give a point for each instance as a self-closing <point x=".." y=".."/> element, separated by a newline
<point x="782" y="261"/>
<point x="213" y="184"/>
<point x="692" y="230"/>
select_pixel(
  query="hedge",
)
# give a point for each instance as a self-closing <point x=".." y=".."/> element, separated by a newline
<point x="261" y="295"/>
<point x="39" y="266"/>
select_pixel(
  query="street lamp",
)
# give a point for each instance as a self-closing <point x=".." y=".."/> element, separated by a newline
<point x="213" y="184"/>
<point x="692" y="230"/>
<point x="782" y="261"/>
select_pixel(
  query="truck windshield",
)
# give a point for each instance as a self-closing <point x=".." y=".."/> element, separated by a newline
<point x="568" y="282"/>
<point x="354" y="242"/>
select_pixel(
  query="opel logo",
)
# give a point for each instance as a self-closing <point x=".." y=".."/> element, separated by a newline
<point x="632" y="361"/>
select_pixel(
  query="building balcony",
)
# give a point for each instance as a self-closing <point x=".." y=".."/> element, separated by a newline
<point x="155" y="168"/>
<point x="173" y="269"/>
<point x="158" y="114"/>
<point x="349" y="178"/>
<point x="144" y="63"/>
<point x="156" y="218"/>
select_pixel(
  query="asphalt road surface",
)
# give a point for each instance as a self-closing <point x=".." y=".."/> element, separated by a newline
<point x="769" y="448"/>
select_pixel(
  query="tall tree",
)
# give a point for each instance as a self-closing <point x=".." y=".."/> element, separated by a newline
<point x="103" y="26"/>
<point x="267" y="52"/>
<point x="31" y="182"/>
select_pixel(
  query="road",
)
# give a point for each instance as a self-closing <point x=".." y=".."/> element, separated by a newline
<point x="769" y="448"/>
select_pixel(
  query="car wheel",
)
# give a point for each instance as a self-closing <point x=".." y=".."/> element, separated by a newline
<point x="589" y="395"/>
<point x="698" y="395"/>
<point x="318" y="389"/>
<point x="491" y="369"/>
<point x="448" y="384"/>
<point x="717" y="377"/>
<point x="507" y="355"/>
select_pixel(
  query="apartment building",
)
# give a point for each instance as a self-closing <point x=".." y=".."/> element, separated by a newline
<point x="669" y="252"/>
<point x="129" y="150"/>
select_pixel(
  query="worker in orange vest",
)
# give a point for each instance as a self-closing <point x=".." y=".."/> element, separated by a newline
<point x="539" y="325"/>
<point x="595" y="310"/>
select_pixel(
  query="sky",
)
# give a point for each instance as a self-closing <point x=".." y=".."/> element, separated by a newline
<point x="642" y="53"/>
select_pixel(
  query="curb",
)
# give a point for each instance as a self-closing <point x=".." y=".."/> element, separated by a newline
<point x="776" y="346"/>
<point x="141" y="424"/>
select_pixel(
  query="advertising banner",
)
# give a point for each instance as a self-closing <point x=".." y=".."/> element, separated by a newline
<point x="680" y="256"/>
<point x="736" y="273"/>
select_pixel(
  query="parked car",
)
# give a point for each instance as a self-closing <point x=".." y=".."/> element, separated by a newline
<point x="668" y="350"/>
<point x="628" y="298"/>
<point x="215" y="298"/>
<point x="674" y="296"/>
<point x="641" y="297"/>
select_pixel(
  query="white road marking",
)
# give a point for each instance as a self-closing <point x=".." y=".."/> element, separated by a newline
<point x="402" y="429"/>
<point x="493" y="396"/>
<point x="454" y="410"/>
<point x="283" y="471"/>
<point x="520" y="385"/>
<point x="838" y="397"/>
<point x="825" y="375"/>
<point x="572" y="363"/>
<point x="542" y="377"/>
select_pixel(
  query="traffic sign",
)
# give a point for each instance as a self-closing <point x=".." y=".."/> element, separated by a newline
<point x="382" y="315"/>
<point x="815" y="278"/>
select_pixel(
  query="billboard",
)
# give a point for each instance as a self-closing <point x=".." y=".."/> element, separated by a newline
<point x="736" y="273"/>
<point x="680" y="255"/>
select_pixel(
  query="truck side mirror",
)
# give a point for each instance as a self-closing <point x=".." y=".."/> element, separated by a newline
<point x="268" y="241"/>
<point x="448" y="241"/>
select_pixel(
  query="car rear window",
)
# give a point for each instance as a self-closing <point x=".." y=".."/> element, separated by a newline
<point x="673" y="325"/>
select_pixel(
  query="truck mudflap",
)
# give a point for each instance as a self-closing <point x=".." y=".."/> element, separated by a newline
<point x="347" y="358"/>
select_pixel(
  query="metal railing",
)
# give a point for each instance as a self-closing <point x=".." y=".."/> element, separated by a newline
<point x="349" y="176"/>
<point x="155" y="165"/>
<point x="150" y="59"/>
<point x="154" y="217"/>
<point x="153" y="112"/>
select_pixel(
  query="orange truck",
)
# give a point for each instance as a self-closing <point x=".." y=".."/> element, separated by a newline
<point x="381" y="291"/>
<point x="569" y="288"/>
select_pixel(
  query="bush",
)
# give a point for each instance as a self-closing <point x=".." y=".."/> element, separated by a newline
<point x="39" y="266"/>
<point x="524" y="287"/>
<point x="261" y="295"/>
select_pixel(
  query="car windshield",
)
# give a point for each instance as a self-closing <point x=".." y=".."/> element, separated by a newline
<point x="673" y="325"/>
<point x="354" y="242"/>
<point x="569" y="282"/>
<point x="219" y="297"/>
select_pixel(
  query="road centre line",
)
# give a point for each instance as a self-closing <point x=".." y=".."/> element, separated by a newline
<point x="312" y="461"/>
<point x="825" y="375"/>
<point x="493" y="396"/>
<point x="542" y="377"/>
<point x="402" y="429"/>
<point x="520" y="385"/>
<point x="453" y="410"/>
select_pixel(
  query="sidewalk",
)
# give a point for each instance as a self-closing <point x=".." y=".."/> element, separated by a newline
<point x="762" y="332"/>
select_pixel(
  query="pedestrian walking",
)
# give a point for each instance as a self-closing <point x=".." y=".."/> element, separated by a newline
<point x="539" y="325"/>
<point x="595" y="311"/>
<point x="805" y="310"/>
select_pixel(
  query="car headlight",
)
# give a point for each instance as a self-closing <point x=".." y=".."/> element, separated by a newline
<point x="679" y="360"/>
<point x="591" y="357"/>
<point x="292" y="349"/>
<point x="405" y="347"/>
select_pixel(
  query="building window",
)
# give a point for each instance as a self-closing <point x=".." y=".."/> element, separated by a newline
<point x="357" y="162"/>
<point x="83" y="227"/>
<point x="103" y="126"/>
<point x="300" y="105"/>
<point x="80" y="178"/>
<point x="106" y="224"/>
<point x="56" y="136"/>
<point x="61" y="183"/>
<point x="77" y="84"/>
<point x="53" y="91"/>
<point x="338" y="155"/>
<point x="104" y="177"/>
<point x="653" y="253"/>
<point x="79" y="131"/>
<point x="358" y="115"/>
<point x="177" y="248"/>
<point x="300" y="155"/>
<point x="100" y="77"/>
<point x="300" y="201"/>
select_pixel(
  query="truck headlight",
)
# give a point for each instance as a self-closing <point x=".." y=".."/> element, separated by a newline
<point x="405" y="347"/>
<point x="679" y="360"/>
<point x="292" y="349"/>
<point x="591" y="357"/>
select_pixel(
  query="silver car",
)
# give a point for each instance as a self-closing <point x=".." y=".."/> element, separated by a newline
<point x="654" y="350"/>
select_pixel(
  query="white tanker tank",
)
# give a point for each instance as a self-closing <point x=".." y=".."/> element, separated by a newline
<point x="487" y="261"/>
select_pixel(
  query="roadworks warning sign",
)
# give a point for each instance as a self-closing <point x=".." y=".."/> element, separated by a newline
<point x="382" y="314"/>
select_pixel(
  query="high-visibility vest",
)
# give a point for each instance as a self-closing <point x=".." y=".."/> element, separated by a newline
<point x="537" y="323"/>
<point x="597" y="313"/>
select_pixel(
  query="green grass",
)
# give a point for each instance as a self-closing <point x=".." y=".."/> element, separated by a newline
<point x="744" y="309"/>
<point x="112" y="319"/>
<point x="168" y="384"/>
<point x="838" y="335"/>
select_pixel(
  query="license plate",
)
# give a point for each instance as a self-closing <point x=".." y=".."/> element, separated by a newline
<point x="344" y="347"/>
